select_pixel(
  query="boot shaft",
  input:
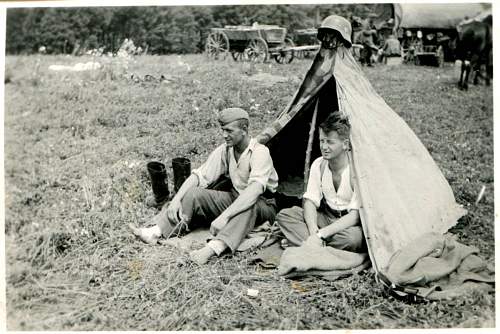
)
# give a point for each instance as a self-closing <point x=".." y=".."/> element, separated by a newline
<point x="182" y="170"/>
<point x="158" y="174"/>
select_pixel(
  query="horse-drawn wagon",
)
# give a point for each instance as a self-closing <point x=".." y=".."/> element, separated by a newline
<point x="428" y="31"/>
<point x="254" y="43"/>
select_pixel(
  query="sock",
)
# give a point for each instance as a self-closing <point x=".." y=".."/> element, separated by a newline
<point x="153" y="231"/>
<point x="218" y="246"/>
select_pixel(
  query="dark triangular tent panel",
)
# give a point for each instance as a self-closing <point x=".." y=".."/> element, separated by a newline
<point x="287" y="137"/>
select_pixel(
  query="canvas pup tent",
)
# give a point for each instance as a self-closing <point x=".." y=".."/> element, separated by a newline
<point x="404" y="194"/>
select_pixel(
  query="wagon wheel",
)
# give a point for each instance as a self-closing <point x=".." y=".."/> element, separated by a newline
<point x="285" y="57"/>
<point x="300" y="54"/>
<point x="238" y="56"/>
<point x="257" y="50"/>
<point x="440" y="56"/>
<point x="217" y="45"/>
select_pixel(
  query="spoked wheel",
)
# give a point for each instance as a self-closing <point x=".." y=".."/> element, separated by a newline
<point x="285" y="57"/>
<point x="238" y="56"/>
<point x="217" y="46"/>
<point x="440" y="56"/>
<point x="299" y="54"/>
<point x="257" y="50"/>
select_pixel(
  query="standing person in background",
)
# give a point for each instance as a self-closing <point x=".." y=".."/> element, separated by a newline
<point x="366" y="39"/>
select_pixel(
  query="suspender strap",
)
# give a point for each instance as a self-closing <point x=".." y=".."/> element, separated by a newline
<point x="322" y="167"/>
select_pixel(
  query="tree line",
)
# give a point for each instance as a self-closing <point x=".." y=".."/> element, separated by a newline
<point x="159" y="30"/>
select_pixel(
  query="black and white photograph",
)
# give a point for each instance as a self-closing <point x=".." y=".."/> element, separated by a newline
<point x="172" y="166"/>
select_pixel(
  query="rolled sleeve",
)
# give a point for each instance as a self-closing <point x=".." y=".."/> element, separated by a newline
<point x="212" y="168"/>
<point x="355" y="203"/>
<point x="313" y="192"/>
<point x="261" y="167"/>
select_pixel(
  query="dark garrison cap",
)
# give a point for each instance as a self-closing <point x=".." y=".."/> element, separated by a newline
<point x="229" y="115"/>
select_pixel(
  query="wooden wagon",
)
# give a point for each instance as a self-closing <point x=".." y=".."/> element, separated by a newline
<point x="306" y="42"/>
<point x="256" y="43"/>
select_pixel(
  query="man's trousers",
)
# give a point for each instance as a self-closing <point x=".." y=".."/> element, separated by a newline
<point x="292" y="224"/>
<point x="201" y="206"/>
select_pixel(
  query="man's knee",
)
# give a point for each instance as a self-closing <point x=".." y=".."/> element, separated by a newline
<point x="286" y="215"/>
<point x="350" y="239"/>
<point x="195" y="194"/>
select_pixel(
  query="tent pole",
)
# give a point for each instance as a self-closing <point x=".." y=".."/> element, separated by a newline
<point x="362" y="214"/>
<point x="309" y="145"/>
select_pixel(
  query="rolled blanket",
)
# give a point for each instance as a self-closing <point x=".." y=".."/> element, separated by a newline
<point x="440" y="267"/>
<point x="310" y="257"/>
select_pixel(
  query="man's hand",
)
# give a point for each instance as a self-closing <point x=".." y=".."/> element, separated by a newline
<point x="218" y="224"/>
<point x="313" y="240"/>
<point x="174" y="211"/>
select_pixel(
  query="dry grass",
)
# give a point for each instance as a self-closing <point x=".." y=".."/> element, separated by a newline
<point x="76" y="145"/>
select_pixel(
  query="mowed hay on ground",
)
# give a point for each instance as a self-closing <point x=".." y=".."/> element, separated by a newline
<point x="76" y="146"/>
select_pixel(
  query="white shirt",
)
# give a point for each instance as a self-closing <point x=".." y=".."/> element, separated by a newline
<point x="254" y="165"/>
<point x="319" y="187"/>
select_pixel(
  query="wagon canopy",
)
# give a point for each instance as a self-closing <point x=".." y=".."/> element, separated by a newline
<point x="428" y="16"/>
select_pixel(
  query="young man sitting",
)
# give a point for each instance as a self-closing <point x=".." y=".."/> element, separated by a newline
<point x="330" y="214"/>
<point x="232" y="213"/>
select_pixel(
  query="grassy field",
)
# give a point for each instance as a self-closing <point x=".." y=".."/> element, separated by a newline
<point x="76" y="145"/>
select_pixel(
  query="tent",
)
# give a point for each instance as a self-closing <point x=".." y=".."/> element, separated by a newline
<point x="404" y="194"/>
<point x="428" y="15"/>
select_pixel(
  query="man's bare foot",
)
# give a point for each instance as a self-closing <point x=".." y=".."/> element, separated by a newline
<point x="149" y="235"/>
<point x="201" y="256"/>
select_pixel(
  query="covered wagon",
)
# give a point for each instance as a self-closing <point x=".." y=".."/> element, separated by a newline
<point x="427" y="30"/>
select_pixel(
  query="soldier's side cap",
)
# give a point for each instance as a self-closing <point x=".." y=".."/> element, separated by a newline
<point x="229" y="115"/>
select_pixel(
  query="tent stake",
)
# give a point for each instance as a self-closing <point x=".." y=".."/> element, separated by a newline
<point x="309" y="145"/>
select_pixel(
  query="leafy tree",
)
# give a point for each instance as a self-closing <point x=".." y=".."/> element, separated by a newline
<point x="162" y="30"/>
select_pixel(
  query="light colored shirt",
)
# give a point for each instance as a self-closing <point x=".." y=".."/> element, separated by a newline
<point x="392" y="47"/>
<point x="254" y="165"/>
<point x="319" y="187"/>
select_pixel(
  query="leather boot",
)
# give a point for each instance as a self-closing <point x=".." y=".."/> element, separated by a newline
<point x="182" y="170"/>
<point x="158" y="175"/>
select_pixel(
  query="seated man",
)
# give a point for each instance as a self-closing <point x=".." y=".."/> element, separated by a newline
<point x="391" y="48"/>
<point x="330" y="212"/>
<point x="233" y="213"/>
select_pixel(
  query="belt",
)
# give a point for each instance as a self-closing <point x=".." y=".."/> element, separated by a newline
<point x="333" y="212"/>
<point x="337" y="213"/>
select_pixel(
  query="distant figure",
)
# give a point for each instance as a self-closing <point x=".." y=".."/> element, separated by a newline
<point x="367" y="40"/>
<point x="407" y="39"/>
<point x="391" y="48"/>
<point x="419" y="43"/>
<point x="42" y="49"/>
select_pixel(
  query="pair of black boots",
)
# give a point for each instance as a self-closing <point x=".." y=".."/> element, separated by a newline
<point x="159" y="181"/>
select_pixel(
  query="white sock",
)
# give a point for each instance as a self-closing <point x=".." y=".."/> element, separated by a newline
<point x="218" y="246"/>
<point x="153" y="231"/>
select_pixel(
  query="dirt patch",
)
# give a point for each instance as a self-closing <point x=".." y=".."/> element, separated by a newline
<point x="267" y="79"/>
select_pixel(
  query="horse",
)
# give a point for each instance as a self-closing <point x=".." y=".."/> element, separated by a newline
<point x="474" y="48"/>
